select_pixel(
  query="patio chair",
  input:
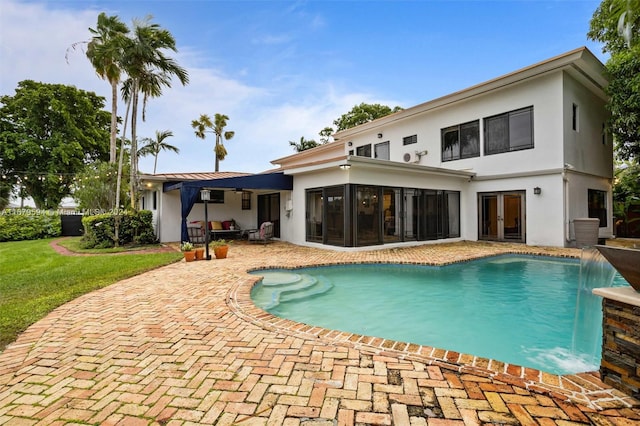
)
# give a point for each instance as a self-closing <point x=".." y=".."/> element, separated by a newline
<point x="196" y="234"/>
<point x="262" y="235"/>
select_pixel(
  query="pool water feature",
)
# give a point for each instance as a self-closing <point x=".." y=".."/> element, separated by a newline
<point x="516" y="309"/>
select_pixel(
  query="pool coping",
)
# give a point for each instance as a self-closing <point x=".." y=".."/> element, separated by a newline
<point x="583" y="388"/>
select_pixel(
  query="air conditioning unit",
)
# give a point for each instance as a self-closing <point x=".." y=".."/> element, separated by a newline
<point x="411" y="157"/>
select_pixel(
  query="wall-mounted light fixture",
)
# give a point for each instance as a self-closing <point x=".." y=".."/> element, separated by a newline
<point x="345" y="166"/>
<point x="537" y="190"/>
<point x="349" y="143"/>
<point x="379" y="135"/>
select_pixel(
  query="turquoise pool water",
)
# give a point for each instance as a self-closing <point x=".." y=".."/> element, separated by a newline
<point x="516" y="309"/>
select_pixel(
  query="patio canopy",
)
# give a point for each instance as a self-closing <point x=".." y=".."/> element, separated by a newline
<point x="189" y="190"/>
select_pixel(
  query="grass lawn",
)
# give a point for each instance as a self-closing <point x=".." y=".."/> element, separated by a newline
<point x="34" y="279"/>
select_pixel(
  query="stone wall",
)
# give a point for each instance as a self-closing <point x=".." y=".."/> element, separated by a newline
<point x="620" y="365"/>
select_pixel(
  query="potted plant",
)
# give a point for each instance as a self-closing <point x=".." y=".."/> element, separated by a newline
<point x="220" y="248"/>
<point x="199" y="252"/>
<point x="187" y="249"/>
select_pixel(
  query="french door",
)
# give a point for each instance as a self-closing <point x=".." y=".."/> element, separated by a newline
<point x="269" y="211"/>
<point x="501" y="216"/>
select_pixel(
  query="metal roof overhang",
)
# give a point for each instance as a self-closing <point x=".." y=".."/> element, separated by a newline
<point x="278" y="181"/>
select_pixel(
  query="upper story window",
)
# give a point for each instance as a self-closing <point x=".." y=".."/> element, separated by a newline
<point x="574" y="117"/>
<point x="364" y="151"/>
<point x="512" y="131"/>
<point x="461" y="141"/>
<point x="408" y="140"/>
<point x="381" y="150"/>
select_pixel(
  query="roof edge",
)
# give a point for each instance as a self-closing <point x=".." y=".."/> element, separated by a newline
<point x="581" y="57"/>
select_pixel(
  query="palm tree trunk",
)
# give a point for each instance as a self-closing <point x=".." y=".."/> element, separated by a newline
<point x="119" y="180"/>
<point x="134" y="146"/>
<point x="155" y="162"/>
<point x="216" y="152"/>
<point x="114" y="122"/>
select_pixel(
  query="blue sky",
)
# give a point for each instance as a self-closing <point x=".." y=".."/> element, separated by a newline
<point x="285" y="69"/>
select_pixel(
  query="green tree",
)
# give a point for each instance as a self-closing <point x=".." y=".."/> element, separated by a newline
<point x="626" y="194"/>
<point x="623" y="69"/>
<point x="149" y="70"/>
<point x="105" y="51"/>
<point x="616" y="24"/>
<point x="216" y="127"/>
<point x="94" y="188"/>
<point x="49" y="132"/>
<point x="326" y="134"/>
<point x="361" y="114"/>
<point x="5" y="192"/>
<point x="7" y="181"/>
<point x="154" y="146"/>
<point x="304" y="144"/>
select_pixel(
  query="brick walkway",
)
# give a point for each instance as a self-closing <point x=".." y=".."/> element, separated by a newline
<point x="183" y="345"/>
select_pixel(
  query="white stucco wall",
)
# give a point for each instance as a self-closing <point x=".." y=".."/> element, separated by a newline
<point x="584" y="149"/>
<point x="170" y="216"/>
<point x="577" y="189"/>
<point x="549" y="215"/>
<point x="544" y="94"/>
<point x="543" y="213"/>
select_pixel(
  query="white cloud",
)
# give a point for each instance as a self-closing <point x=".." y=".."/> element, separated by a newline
<point x="35" y="38"/>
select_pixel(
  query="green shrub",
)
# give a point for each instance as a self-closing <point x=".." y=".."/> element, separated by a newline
<point x="136" y="227"/>
<point x="29" y="224"/>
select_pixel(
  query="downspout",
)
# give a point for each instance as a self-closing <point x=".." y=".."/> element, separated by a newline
<point x="565" y="181"/>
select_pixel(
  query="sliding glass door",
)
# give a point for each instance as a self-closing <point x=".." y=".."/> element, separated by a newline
<point x="364" y="215"/>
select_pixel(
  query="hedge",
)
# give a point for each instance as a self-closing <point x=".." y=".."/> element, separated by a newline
<point x="29" y="224"/>
<point x="136" y="227"/>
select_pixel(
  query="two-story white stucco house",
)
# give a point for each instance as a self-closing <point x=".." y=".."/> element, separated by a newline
<point x="517" y="159"/>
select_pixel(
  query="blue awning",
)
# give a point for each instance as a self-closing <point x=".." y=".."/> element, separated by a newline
<point x="189" y="190"/>
<point x="276" y="181"/>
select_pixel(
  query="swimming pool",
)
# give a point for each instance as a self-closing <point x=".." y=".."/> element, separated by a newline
<point x="516" y="309"/>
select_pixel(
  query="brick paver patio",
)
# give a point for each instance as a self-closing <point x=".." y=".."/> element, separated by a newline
<point x="184" y="345"/>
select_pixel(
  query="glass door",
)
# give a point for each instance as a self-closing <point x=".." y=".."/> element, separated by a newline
<point x="367" y="210"/>
<point x="335" y="215"/>
<point x="488" y="225"/>
<point x="269" y="211"/>
<point x="501" y="216"/>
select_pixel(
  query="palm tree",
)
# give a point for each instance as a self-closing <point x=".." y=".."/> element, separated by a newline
<point x="217" y="127"/>
<point x="149" y="70"/>
<point x="105" y="51"/>
<point x="154" y="146"/>
<point x="304" y="144"/>
<point x="326" y="134"/>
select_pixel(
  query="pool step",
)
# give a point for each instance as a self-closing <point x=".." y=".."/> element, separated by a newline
<point x="280" y="286"/>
